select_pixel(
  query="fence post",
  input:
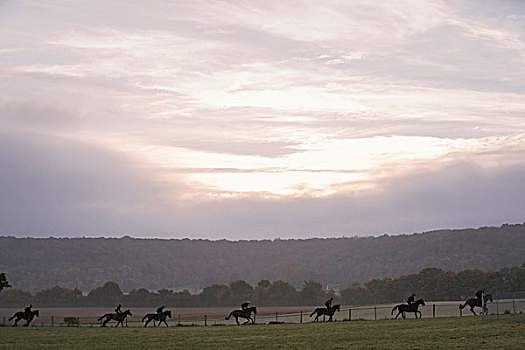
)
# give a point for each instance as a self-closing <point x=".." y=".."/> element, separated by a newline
<point x="178" y="324"/>
<point x="375" y="313"/>
<point x="52" y="321"/>
<point x="78" y="321"/>
<point x="433" y="310"/>
<point x="205" y="320"/>
<point x="350" y="314"/>
<point x="460" y="312"/>
<point x="276" y="317"/>
<point x="514" y="306"/>
<point x="3" y="321"/>
<point x="497" y="308"/>
<point x="301" y="320"/>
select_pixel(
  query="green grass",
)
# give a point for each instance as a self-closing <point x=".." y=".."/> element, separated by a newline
<point x="441" y="333"/>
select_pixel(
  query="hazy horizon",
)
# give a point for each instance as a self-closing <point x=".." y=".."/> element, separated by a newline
<point x="258" y="120"/>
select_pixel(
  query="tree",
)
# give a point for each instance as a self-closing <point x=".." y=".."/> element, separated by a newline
<point x="282" y="293"/>
<point x="312" y="293"/>
<point x="4" y="283"/>
<point x="241" y="291"/>
<point x="108" y="294"/>
<point x="264" y="284"/>
<point x="216" y="295"/>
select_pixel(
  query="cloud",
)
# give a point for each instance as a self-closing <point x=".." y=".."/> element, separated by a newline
<point x="55" y="186"/>
<point x="238" y="109"/>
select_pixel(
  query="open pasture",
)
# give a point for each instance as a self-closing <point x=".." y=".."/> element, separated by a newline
<point x="504" y="332"/>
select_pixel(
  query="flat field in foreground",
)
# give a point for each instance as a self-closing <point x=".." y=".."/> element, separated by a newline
<point x="506" y="332"/>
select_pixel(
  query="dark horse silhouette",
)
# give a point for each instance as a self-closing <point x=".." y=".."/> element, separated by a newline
<point x="402" y="308"/>
<point x="159" y="318"/>
<point x="246" y="313"/>
<point x="475" y="302"/>
<point x="22" y="315"/>
<point x="329" y="311"/>
<point x="117" y="317"/>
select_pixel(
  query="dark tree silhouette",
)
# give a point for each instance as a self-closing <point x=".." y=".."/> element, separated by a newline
<point x="4" y="283"/>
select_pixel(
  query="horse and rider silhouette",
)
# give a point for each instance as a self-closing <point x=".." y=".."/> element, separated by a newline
<point x="27" y="315"/>
<point x="477" y="302"/>
<point x="245" y="313"/>
<point x="412" y="307"/>
<point x="119" y="317"/>
<point x="159" y="317"/>
<point x="328" y="311"/>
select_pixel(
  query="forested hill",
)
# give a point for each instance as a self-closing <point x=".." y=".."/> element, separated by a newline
<point x="85" y="263"/>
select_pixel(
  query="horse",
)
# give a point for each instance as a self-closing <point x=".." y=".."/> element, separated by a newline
<point x="22" y="315"/>
<point x="328" y="311"/>
<point x="402" y="308"/>
<point x="246" y="313"/>
<point x="475" y="302"/>
<point x="117" y="317"/>
<point x="159" y="318"/>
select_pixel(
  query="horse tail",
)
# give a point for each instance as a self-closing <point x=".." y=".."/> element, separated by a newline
<point x="313" y="313"/>
<point x="230" y="315"/>
<point x="461" y="306"/>
<point x="395" y="307"/>
<point x="101" y="317"/>
<point x="12" y="317"/>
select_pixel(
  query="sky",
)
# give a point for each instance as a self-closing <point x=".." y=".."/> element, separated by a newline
<point x="260" y="119"/>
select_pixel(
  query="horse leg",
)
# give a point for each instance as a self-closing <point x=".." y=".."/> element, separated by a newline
<point x="146" y="324"/>
<point x="404" y="315"/>
<point x="237" y="320"/>
<point x="472" y="309"/>
<point x="105" y="322"/>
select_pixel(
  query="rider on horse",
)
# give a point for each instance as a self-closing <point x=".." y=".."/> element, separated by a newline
<point x="118" y="310"/>
<point x="479" y="296"/>
<point x="160" y="309"/>
<point x="28" y="311"/>
<point x="244" y="305"/>
<point x="328" y="303"/>
<point x="410" y="299"/>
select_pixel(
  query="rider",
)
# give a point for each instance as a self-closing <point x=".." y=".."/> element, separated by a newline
<point x="410" y="299"/>
<point x="160" y="309"/>
<point x="244" y="305"/>
<point x="28" y="311"/>
<point x="118" y="310"/>
<point x="479" y="295"/>
<point x="328" y="303"/>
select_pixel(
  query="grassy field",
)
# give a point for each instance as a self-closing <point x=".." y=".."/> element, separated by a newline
<point x="441" y="333"/>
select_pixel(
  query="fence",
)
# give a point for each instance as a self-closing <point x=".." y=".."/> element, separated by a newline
<point x="269" y="315"/>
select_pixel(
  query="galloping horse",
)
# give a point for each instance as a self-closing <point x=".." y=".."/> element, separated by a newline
<point x="117" y="317"/>
<point x="329" y="311"/>
<point x="475" y="302"/>
<point x="22" y="315"/>
<point x="402" y="308"/>
<point x="159" y="318"/>
<point x="246" y="313"/>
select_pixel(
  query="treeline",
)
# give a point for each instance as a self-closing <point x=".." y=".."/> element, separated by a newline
<point x="86" y="263"/>
<point x="432" y="284"/>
